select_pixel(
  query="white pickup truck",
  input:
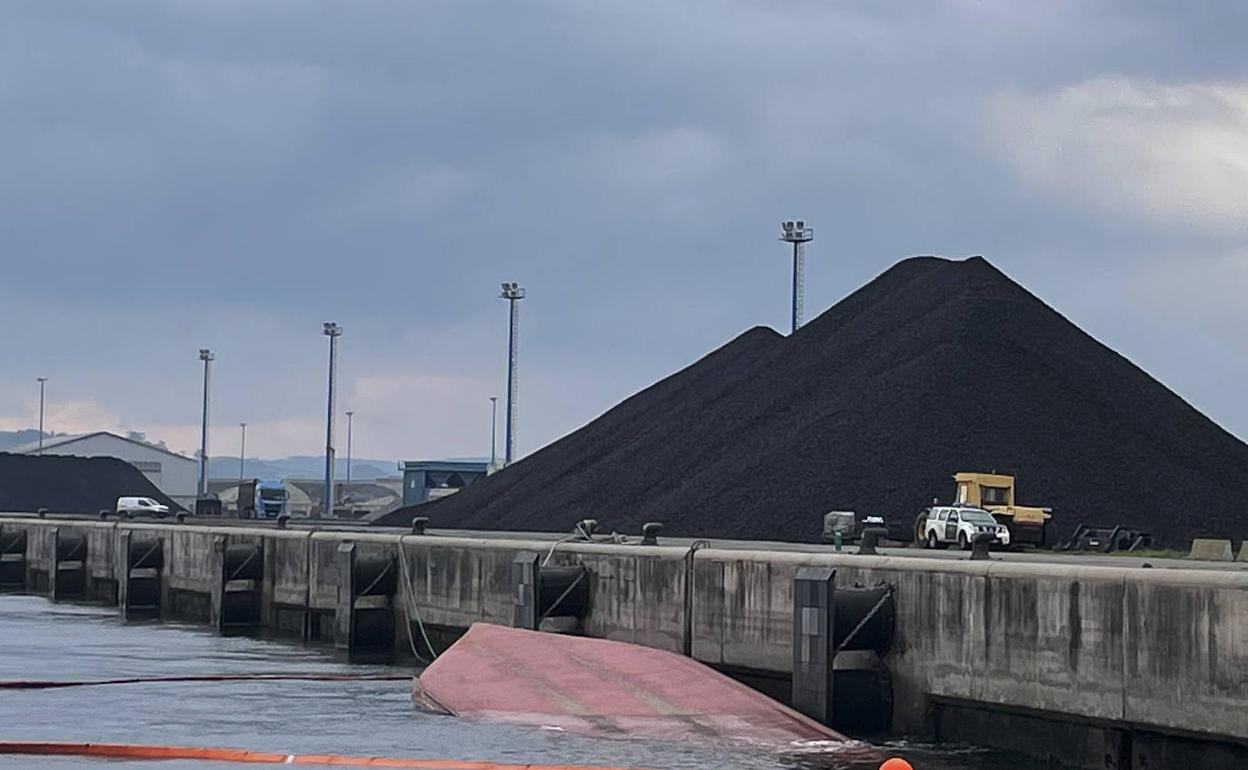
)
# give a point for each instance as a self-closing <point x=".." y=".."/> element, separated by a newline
<point x="960" y="524"/>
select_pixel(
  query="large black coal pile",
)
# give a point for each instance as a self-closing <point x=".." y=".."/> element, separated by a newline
<point x="71" y="484"/>
<point x="935" y="367"/>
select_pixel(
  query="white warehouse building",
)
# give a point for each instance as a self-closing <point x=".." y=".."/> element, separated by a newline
<point x="174" y="474"/>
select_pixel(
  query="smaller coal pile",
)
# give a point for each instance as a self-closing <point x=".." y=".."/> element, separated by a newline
<point x="61" y="484"/>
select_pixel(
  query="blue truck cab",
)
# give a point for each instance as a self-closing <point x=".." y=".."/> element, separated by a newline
<point x="261" y="499"/>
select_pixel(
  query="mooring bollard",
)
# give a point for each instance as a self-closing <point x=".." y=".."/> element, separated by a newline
<point x="870" y="539"/>
<point x="650" y="532"/>
<point x="104" y="514"/>
<point x="42" y="513"/>
<point x="979" y="546"/>
<point x="283" y="521"/>
<point x="418" y="525"/>
<point x="181" y="517"/>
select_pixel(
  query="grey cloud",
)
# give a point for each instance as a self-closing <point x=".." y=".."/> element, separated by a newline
<point x="388" y="164"/>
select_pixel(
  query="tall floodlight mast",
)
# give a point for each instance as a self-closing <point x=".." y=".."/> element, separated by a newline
<point x="333" y="331"/>
<point x="42" y="381"/>
<point x="347" y="490"/>
<point x="242" y="452"/>
<point x="513" y="293"/>
<point x="798" y="234"/>
<point x="493" y="432"/>
<point x="207" y="357"/>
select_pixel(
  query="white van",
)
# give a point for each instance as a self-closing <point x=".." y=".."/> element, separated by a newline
<point x="142" y="506"/>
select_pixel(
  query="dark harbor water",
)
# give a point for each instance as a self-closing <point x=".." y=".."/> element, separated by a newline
<point x="42" y="640"/>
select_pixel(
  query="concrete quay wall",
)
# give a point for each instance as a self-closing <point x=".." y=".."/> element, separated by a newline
<point x="1091" y="654"/>
<point x="1116" y="649"/>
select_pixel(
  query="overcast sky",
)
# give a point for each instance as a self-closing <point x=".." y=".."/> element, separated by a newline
<point x="177" y="175"/>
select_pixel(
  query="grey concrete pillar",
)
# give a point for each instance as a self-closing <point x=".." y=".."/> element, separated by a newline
<point x="525" y="574"/>
<point x="121" y="568"/>
<point x="344" y="612"/>
<point x="814" y="615"/>
<point x="216" y="595"/>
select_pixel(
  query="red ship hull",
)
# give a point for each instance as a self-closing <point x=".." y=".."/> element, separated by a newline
<point x="604" y="687"/>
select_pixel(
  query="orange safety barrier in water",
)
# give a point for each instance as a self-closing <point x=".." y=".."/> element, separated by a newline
<point x="136" y="751"/>
<point x="48" y="684"/>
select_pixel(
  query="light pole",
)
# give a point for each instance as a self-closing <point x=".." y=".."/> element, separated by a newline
<point x="42" y="380"/>
<point x="206" y="356"/>
<point x="242" y="452"/>
<point x="513" y="293"/>
<point x="347" y="491"/>
<point x="798" y="234"/>
<point x="333" y="331"/>
<point x="493" y="431"/>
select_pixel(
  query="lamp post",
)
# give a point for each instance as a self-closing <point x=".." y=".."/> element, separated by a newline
<point x="347" y="490"/>
<point x="42" y="380"/>
<point x="242" y="452"/>
<point x="207" y="357"/>
<point x="798" y="234"/>
<point x="333" y="331"/>
<point x="513" y="293"/>
<point x="493" y="431"/>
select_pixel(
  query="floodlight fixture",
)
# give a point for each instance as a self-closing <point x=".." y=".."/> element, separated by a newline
<point x="796" y="232"/>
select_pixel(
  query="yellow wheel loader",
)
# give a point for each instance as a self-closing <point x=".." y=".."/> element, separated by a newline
<point x="994" y="492"/>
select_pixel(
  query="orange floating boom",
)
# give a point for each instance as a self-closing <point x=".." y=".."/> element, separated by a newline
<point x="138" y="751"/>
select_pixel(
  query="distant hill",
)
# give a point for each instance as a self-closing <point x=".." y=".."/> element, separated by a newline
<point x="294" y="466"/>
<point x="12" y="438"/>
<point x="300" y="467"/>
